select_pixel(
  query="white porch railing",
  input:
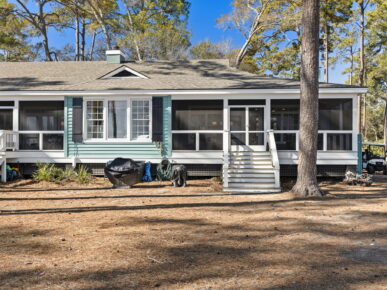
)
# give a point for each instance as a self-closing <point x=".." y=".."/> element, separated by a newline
<point x="8" y="140"/>
<point x="274" y="156"/>
<point x="226" y="156"/>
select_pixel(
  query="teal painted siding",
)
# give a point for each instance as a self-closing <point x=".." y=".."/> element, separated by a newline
<point x="167" y="123"/>
<point x="135" y="150"/>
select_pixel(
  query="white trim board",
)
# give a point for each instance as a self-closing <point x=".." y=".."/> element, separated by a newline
<point x="215" y="92"/>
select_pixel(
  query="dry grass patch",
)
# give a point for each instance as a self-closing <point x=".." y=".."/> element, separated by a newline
<point x="153" y="235"/>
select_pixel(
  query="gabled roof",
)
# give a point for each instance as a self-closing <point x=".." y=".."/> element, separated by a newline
<point x="161" y="75"/>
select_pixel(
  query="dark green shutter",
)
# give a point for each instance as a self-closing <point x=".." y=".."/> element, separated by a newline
<point x="77" y="120"/>
<point x="157" y="119"/>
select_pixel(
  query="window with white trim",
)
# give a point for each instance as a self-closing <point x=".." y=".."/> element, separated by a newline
<point x="95" y="119"/>
<point x="119" y="119"/>
<point x="140" y="119"/>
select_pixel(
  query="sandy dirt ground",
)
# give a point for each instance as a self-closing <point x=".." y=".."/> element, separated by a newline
<point x="154" y="236"/>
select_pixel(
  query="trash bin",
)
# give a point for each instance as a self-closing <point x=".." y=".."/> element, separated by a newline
<point x="123" y="172"/>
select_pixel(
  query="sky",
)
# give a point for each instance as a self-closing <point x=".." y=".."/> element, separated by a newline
<point x="203" y="26"/>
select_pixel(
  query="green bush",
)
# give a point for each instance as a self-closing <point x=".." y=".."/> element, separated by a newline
<point x="50" y="173"/>
<point x="83" y="175"/>
<point x="46" y="172"/>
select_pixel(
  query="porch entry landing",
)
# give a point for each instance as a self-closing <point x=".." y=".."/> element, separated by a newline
<point x="250" y="160"/>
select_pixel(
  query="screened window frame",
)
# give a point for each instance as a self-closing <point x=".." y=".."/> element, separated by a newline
<point x="197" y="139"/>
<point x="105" y="138"/>
<point x="40" y="133"/>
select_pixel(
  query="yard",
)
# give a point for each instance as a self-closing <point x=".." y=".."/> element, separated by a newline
<point x="53" y="237"/>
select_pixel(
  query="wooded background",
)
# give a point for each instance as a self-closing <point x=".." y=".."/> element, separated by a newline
<point x="351" y="32"/>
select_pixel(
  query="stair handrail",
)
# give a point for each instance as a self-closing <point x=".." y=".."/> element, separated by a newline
<point x="274" y="156"/>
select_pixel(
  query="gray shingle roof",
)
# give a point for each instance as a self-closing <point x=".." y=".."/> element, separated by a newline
<point x="163" y="75"/>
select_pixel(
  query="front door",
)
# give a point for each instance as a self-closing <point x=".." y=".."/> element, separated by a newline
<point x="247" y="128"/>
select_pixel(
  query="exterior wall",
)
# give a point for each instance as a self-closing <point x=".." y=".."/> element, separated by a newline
<point x="109" y="150"/>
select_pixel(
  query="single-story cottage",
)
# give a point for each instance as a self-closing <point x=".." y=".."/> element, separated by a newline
<point x="215" y="119"/>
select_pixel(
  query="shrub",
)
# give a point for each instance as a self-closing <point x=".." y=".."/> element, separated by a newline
<point x="50" y="173"/>
<point x="83" y="175"/>
<point x="67" y="174"/>
<point x="46" y="172"/>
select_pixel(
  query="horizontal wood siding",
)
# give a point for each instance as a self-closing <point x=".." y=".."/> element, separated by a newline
<point x="135" y="150"/>
<point x="167" y="123"/>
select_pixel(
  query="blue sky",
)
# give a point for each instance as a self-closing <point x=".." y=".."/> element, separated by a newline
<point x="202" y="24"/>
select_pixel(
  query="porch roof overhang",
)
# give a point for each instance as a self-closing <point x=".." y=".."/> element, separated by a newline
<point x="217" y="92"/>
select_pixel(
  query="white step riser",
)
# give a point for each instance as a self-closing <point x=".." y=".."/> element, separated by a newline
<point x="252" y="180"/>
<point x="251" y="185"/>
<point x="251" y="163"/>
<point x="250" y="155"/>
<point x="250" y="159"/>
<point x="246" y="190"/>
<point x="251" y="175"/>
<point x="247" y="166"/>
<point x="250" y="171"/>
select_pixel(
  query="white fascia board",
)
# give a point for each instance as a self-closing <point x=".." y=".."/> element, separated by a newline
<point x="181" y="92"/>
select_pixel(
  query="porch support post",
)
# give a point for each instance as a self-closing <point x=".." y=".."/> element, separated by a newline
<point x="4" y="170"/>
<point x="226" y="142"/>
<point x="359" y="154"/>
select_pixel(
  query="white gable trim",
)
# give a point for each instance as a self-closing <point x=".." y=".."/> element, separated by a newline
<point x="124" y="68"/>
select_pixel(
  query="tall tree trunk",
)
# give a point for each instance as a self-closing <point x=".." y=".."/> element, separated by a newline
<point x="306" y="184"/>
<point x="76" y="38"/>
<point x="135" y="42"/>
<point x="326" y="52"/>
<point x="46" y="46"/>
<point x="83" y="36"/>
<point x="385" y="123"/>
<point x="92" y="46"/>
<point x="362" y="5"/>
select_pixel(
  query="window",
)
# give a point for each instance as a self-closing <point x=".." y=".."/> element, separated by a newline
<point x="95" y="120"/>
<point x="285" y="114"/>
<point x="335" y="114"/>
<point x="109" y="119"/>
<point x="6" y="119"/>
<point x="41" y="116"/>
<point x="117" y="119"/>
<point x="140" y="119"/>
<point x="197" y="115"/>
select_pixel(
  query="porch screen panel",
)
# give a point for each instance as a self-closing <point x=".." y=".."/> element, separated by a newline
<point x="197" y="115"/>
<point x="335" y="114"/>
<point x="285" y="114"/>
<point x="41" y="116"/>
<point x="210" y="141"/>
<point x="6" y="119"/>
<point x="339" y="142"/>
<point x="52" y="141"/>
<point x="29" y="141"/>
<point x="182" y="141"/>
<point x="285" y="141"/>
